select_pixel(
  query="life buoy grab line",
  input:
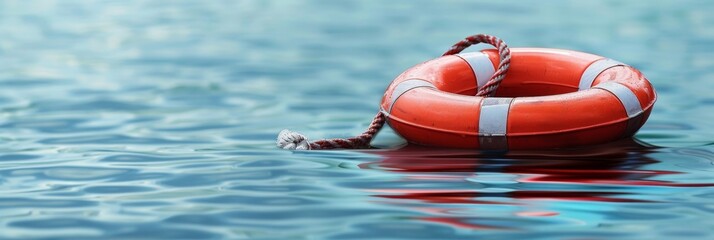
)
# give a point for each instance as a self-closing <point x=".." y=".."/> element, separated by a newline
<point x="551" y="98"/>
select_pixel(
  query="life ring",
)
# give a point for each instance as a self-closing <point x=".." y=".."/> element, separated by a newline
<point x="551" y="98"/>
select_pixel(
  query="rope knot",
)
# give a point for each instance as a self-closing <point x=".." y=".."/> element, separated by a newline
<point x="292" y="140"/>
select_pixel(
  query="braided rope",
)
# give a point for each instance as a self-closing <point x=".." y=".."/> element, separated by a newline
<point x="488" y="89"/>
<point x="295" y="141"/>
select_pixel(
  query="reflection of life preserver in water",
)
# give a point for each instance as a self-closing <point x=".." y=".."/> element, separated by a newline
<point x="562" y="176"/>
<point x="551" y="98"/>
<point x="615" y="162"/>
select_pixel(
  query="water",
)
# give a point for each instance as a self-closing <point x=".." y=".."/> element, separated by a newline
<point x="157" y="119"/>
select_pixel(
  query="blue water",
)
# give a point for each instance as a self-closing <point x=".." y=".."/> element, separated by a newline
<point x="157" y="119"/>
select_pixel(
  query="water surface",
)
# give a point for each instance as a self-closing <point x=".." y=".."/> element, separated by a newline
<point x="157" y="119"/>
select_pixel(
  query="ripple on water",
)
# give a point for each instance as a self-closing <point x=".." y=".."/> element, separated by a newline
<point x="31" y="203"/>
<point x="18" y="157"/>
<point x="91" y="228"/>
<point x="67" y="173"/>
<point x="89" y="106"/>
<point x="212" y="179"/>
<point x="117" y="189"/>
<point x="146" y="158"/>
<point x="257" y="201"/>
<point x="113" y="139"/>
<point x="282" y="188"/>
<point x="59" y="125"/>
<point x="30" y="82"/>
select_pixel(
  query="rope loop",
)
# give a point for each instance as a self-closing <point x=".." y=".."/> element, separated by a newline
<point x="488" y="89"/>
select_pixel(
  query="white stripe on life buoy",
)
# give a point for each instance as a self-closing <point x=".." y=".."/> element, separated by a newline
<point x="493" y="123"/>
<point x="625" y="95"/>
<point x="481" y="66"/>
<point x="494" y="116"/>
<point x="404" y="87"/>
<point x="597" y="67"/>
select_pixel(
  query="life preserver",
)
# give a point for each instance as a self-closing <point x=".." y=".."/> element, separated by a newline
<point x="551" y="98"/>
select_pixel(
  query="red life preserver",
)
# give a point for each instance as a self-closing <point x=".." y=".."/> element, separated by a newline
<point x="551" y="98"/>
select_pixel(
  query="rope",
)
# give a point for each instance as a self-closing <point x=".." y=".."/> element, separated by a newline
<point x="292" y="140"/>
<point x="295" y="141"/>
<point x="488" y="89"/>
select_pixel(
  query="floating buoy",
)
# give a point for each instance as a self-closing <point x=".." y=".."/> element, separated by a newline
<point x="551" y="98"/>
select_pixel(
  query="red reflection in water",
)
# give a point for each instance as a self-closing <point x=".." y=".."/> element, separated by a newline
<point x="460" y="222"/>
<point x="619" y="163"/>
<point x="434" y="196"/>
